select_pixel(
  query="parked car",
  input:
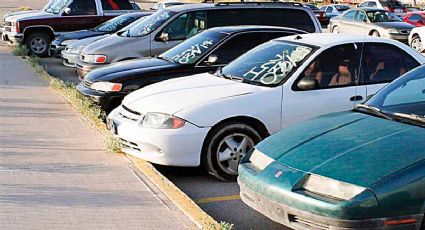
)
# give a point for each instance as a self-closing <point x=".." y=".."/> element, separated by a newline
<point x="415" y="18"/>
<point x="38" y="29"/>
<point x="320" y="14"/>
<point x="390" y="5"/>
<point x="362" y="169"/>
<point x="108" y="27"/>
<point x="204" y="52"/>
<point x="73" y="51"/>
<point x="370" y="21"/>
<point x="416" y="37"/>
<point x="334" y="9"/>
<point x="165" y="4"/>
<point x="412" y="9"/>
<point x="215" y="119"/>
<point x="169" y="27"/>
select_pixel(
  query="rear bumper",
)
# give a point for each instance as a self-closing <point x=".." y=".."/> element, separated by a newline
<point x="298" y="219"/>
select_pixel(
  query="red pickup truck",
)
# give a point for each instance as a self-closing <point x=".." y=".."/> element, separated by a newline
<point x="37" y="29"/>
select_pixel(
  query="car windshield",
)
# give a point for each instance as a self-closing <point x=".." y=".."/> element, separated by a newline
<point x="57" y="6"/>
<point x="404" y="98"/>
<point x="378" y="16"/>
<point x="191" y="50"/>
<point x="115" y="24"/>
<point x="342" y="8"/>
<point x="268" y="64"/>
<point x="150" y="24"/>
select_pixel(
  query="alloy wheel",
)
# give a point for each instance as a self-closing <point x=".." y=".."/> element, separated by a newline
<point x="417" y="44"/>
<point x="38" y="45"/>
<point x="231" y="150"/>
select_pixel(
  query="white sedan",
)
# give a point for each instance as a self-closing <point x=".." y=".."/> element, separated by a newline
<point x="214" y="119"/>
<point x="416" y="38"/>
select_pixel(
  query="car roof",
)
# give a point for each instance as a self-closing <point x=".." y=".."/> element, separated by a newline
<point x="328" y="39"/>
<point x="250" y="28"/>
<point x="236" y="5"/>
<point x="367" y="9"/>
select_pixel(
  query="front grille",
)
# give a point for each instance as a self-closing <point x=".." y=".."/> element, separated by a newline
<point x="306" y="223"/>
<point x="6" y="23"/>
<point x="405" y="31"/>
<point x="86" y="83"/>
<point x="129" y="144"/>
<point x="131" y="114"/>
<point x="8" y="29"/>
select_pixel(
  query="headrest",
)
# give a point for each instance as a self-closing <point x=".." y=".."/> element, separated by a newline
<point x="202" y="25"/>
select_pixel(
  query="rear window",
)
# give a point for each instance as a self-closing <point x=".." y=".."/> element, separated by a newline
<point x="293" y="18"/>
<point x="117" y="5"/>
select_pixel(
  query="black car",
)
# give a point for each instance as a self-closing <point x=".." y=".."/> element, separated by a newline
<point x="108" y="27"/>
<point x="204" y="52"/>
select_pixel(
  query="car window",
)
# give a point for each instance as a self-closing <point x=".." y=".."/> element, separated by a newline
<point x="242" y="43"/>
<point x="116" y="5"/>
<point x="150" y="24"/>
<point x="361" y="17"/>
<point x="350" y="15"/>
<point x="186" y="25"/>
<point x="385" y="62"/>
<point x="342" y="8"/>
<point x="329" y="9"/>
<point x="115" y="23"/>
<point x="364" y="4"/>
<point x="372" y="4"/>
<point x="83" y="7"/>
<point x="334" y="67"/>
<point x="378" y="16"/>
<point x="415" y="17"/>
<point x="294" y="18"/>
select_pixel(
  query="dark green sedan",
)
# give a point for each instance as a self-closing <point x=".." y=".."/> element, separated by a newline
<point x="362" y="169"/>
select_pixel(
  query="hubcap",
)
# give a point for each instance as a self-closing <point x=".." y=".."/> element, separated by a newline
<point x="231" y="150"/>
<point x="375" y="34"/>
<point x="416" y="44"/>
<point x="38" y="45"/>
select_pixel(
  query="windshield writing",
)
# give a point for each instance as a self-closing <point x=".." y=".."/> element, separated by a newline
<point x="57" y="6"/>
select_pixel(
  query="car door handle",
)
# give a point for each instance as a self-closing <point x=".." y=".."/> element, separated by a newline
<point x="356" y="98"/>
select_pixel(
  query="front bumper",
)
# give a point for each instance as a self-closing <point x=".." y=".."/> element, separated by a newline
<point x="106" y="101"/>
<point x="84" y="68"/>
<point x="12" y="37"/>
<point x="404" y="38"/>
<point x="56" y="50"/>
<point x="176" y="147"/>
<point x="300" y="219"/>
<point x="69" y="59"/>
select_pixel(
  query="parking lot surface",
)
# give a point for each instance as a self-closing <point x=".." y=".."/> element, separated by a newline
<point x="54" y="173"/>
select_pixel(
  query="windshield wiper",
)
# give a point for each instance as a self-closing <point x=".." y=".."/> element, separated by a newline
<point x="374" y="111"/>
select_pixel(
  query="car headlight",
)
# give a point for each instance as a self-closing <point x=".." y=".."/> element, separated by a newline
<point x="260" y="160"/>
<point x="95" y="58"/>
<point x="392" y="31"/>
<point x="162" y="121"/>
<point x="331" y="188"/>
<point x="67" y="42"/>
<point x="106" y="86"/>
<point x="76" y="50"/>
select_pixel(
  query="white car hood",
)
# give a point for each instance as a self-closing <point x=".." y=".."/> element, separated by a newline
<point x="87" y="41"/>
<point x="178" y="94"/>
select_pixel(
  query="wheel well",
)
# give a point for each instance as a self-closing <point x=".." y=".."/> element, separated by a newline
<point x="415" y="35"/>
<point x="371" y="32"/>
<point x="46" y="30"/>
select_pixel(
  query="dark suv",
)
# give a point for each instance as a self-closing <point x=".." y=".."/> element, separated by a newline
<point x="168" y="27"/>
<point x="204" y="52"/>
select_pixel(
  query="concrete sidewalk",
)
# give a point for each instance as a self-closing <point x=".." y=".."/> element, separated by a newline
<point x="54" y="173"/>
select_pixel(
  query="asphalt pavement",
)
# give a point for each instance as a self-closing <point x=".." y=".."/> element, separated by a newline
<point x="54" y="173"/>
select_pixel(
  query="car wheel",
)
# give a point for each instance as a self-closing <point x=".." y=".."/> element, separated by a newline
<point x="225" y="148"/>
<point x="38" y="44"/>
<point x="417" y="44"/>
<point x="336" y="30"/>
<point x="375" y="34"/>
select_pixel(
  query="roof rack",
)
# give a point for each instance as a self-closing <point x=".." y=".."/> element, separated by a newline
<point x="260" y="3"/>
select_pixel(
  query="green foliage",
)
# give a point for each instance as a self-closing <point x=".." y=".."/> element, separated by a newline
<point x="20" y="50"/>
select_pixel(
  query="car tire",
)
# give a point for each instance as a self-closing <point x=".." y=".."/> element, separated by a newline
<point x="38" y="44"/>
<point x="417" y="43"/>
<point x="336" y="30"/>
<point x="375" y="34"/>
<point x="225" y="147"/>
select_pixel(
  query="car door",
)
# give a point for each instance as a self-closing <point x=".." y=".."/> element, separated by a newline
<point x="358" y="25"/>
<point x="178" y="29"/>
<point x="382" y="64"/>
<point x="345" y="25"/>
<point x="82" y="14"/>
<point x="331" y="69"/>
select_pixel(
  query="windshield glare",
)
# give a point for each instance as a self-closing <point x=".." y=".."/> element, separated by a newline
<point x="57" y="6"/>
<point x="191" y="50"/>
<point x="405" y="95"/>
<point x="269" y="63"/>
<point x="151" y="23"/>
<point x="114" y="24"/>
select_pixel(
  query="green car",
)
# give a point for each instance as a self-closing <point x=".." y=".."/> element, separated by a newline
<point x="361" y="169"/>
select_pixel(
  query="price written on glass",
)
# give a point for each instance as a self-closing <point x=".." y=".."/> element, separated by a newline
<point x="152" y="22"/>
<point x="193" y="52"/>
<point x="279" y="67"/>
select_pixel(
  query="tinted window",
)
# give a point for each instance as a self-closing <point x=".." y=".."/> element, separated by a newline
<point x="378" y="16"/>
<point x="83" y="7"/>
<point x="186" y="25"/>
<point x="350" y="15"/>
<point x="329" y="9"/>
<point x="116" y="5"/>
<point x="334" y="67"/>
<point x="384" y="63"/>
<point x="293" y="18"/>
<point x="242" y="43"/>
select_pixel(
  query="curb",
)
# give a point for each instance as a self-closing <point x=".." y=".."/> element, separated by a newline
<point x="176" y="196"/>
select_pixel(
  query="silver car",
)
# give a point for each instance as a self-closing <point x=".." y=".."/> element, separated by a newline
<point x="371" y="21"/>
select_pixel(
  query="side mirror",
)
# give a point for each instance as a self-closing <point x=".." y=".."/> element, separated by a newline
<point x="165" y="37"/>
<point x="211" y="59"/>
<point x="308" y="83"/>
<point x="67" y="11"/>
